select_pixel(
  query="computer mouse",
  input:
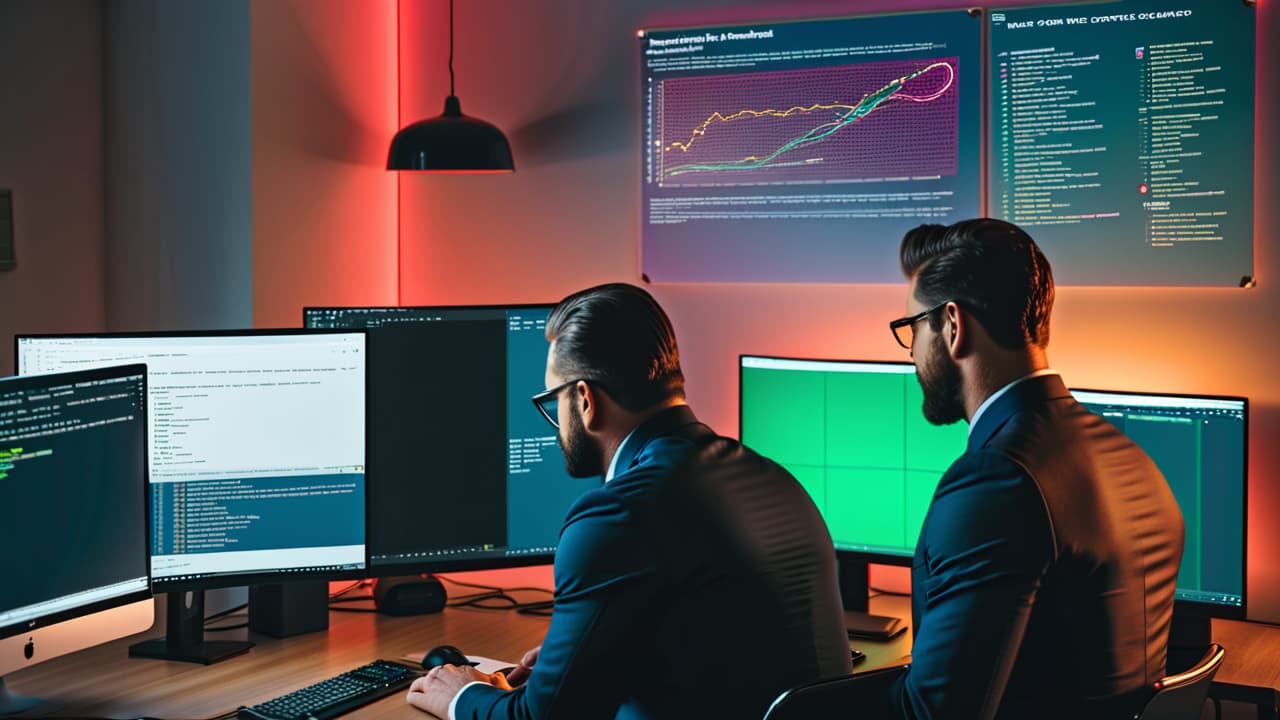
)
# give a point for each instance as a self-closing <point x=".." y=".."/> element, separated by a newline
<point x="444" y="655"/>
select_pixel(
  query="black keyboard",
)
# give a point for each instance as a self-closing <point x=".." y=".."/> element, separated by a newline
<point x="337" y="695"/>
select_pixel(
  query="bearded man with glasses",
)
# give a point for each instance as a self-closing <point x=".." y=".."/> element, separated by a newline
<point x="695" y="549"/>
<point x="1043" y="579"/>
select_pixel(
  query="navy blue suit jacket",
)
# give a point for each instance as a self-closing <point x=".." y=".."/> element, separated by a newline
<point x="700" y="582"/>
<point x="1043" y="580"/>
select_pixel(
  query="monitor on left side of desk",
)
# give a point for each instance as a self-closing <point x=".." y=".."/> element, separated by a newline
<point x="257" y="464"/>
<point x="73" y="515"/>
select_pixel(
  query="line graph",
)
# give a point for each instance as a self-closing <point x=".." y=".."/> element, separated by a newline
<point x="852" y="122"/>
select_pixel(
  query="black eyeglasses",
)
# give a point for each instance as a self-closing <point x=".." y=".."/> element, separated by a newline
<point x="547" y="400"/>
<point x="904" y="329"/>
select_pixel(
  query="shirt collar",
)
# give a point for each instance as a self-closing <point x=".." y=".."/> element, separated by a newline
<point x="613" y="464"/>
<point x="973" y="422"/>
<point x="666" y="421"/>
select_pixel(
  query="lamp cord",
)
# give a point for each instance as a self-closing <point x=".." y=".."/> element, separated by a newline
<point x="451" y="47"/>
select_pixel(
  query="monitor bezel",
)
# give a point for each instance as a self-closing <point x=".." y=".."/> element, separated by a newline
<point x="116" y="372"/>
<point x="440" y="565"/>
<point x="266" y="577"/>
<point x="872" y="557"/>
<point x="1193" y="607"/>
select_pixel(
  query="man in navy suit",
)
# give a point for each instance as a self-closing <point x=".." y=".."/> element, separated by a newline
<point x="699" y="581"/>
<point x="1043" y="579"/>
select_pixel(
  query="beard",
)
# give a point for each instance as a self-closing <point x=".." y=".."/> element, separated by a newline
<point x="942" y="386"/>
<point x="582" y="457"/>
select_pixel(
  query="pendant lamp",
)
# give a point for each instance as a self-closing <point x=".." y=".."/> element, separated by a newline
<point x="452" y="142"/>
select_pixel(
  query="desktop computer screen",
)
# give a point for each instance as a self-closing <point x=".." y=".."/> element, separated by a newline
<point x="465" y="472"/>
<point x="1200" y="445"/>
<point x="73" y="514"/>
<point x="854" y="436"/>
<point x="257" y="445"/>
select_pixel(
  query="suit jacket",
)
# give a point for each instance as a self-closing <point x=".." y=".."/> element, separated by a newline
<point x="1043" y="580"/>
<point x="700" y="582"/>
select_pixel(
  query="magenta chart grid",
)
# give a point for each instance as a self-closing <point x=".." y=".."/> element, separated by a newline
<point x="890" y="119"/>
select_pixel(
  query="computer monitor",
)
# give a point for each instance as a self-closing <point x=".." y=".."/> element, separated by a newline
<point x="853" y="434"/>
<point x="257" y="446"/>
<point x="73" y="515"/>
<point x="465" y="473"/>
<point x="1200" y="444"/>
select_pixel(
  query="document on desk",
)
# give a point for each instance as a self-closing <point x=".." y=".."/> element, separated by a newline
<point x="485" y="665"/>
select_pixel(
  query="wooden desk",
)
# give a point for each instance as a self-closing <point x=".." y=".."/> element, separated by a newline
<point x="105" y="682"/>
<point x="1250" y="670"/>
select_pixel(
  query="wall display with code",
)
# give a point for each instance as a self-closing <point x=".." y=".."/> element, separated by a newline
<point x="1121" y="138"/>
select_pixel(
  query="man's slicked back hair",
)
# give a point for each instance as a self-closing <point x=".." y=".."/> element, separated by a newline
<point x="989" y="267"/>
<point x="619" y="336"/>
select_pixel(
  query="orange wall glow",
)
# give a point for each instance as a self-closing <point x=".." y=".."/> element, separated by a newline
<point x="562" y="79"/>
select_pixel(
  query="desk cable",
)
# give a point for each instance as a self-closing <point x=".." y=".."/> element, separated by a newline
<point x="489" y="597"/>
<point x="481" y="600"/>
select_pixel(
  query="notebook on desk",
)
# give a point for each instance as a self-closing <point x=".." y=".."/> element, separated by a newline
<point x="873" y="627"/>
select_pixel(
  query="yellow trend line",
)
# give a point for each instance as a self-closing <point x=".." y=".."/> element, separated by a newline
<point x="717" y="117"/>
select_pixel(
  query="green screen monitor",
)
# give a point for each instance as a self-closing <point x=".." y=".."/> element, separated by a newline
<point x="854" y="435"/>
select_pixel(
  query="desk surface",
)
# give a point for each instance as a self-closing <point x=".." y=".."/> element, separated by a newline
<point x="105" y="682"/>
<point x="1250" y="670"/>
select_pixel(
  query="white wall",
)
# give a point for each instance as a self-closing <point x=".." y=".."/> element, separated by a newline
<point x="51" y="156"/>
<point x="179" y="179"/>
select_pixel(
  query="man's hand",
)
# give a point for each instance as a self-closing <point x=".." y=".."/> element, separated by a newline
<point x="522" y="671"/>
<point x="434" y="691"/>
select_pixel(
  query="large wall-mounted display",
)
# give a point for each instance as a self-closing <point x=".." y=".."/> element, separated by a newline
<point x="1119" y="134"/>
<point x="1122" y="138"/>
<point x="802" y="151"/>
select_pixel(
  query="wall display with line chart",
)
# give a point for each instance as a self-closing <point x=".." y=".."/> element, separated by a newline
<point x="801" y="151"/>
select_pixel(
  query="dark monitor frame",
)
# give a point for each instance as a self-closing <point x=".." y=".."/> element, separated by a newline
<point x="171" y="585"/>
<point x="434" y="565"/>
<point x="28" y="382"/>
<point x="1191" y="607"/>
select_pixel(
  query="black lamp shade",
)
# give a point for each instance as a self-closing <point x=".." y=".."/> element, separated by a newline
<point x="452" y="142"/>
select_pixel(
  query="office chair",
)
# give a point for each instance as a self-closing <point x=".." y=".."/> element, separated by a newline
<point x="1181" y="696"/>
<point x="834" y="697"/>
<point x="1177" y="697"/>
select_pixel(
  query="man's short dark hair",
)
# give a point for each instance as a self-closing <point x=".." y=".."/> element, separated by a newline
<point x="618" y="335"/>
<point x="992" y="269"/>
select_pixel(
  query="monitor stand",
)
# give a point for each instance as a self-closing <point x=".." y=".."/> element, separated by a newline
<point x="855" y="592"/>
<point x="286" y="609"/>
<point x="12" y="703"/>
<point x="1190" y="634"/>
<point x="184" y="634"/>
